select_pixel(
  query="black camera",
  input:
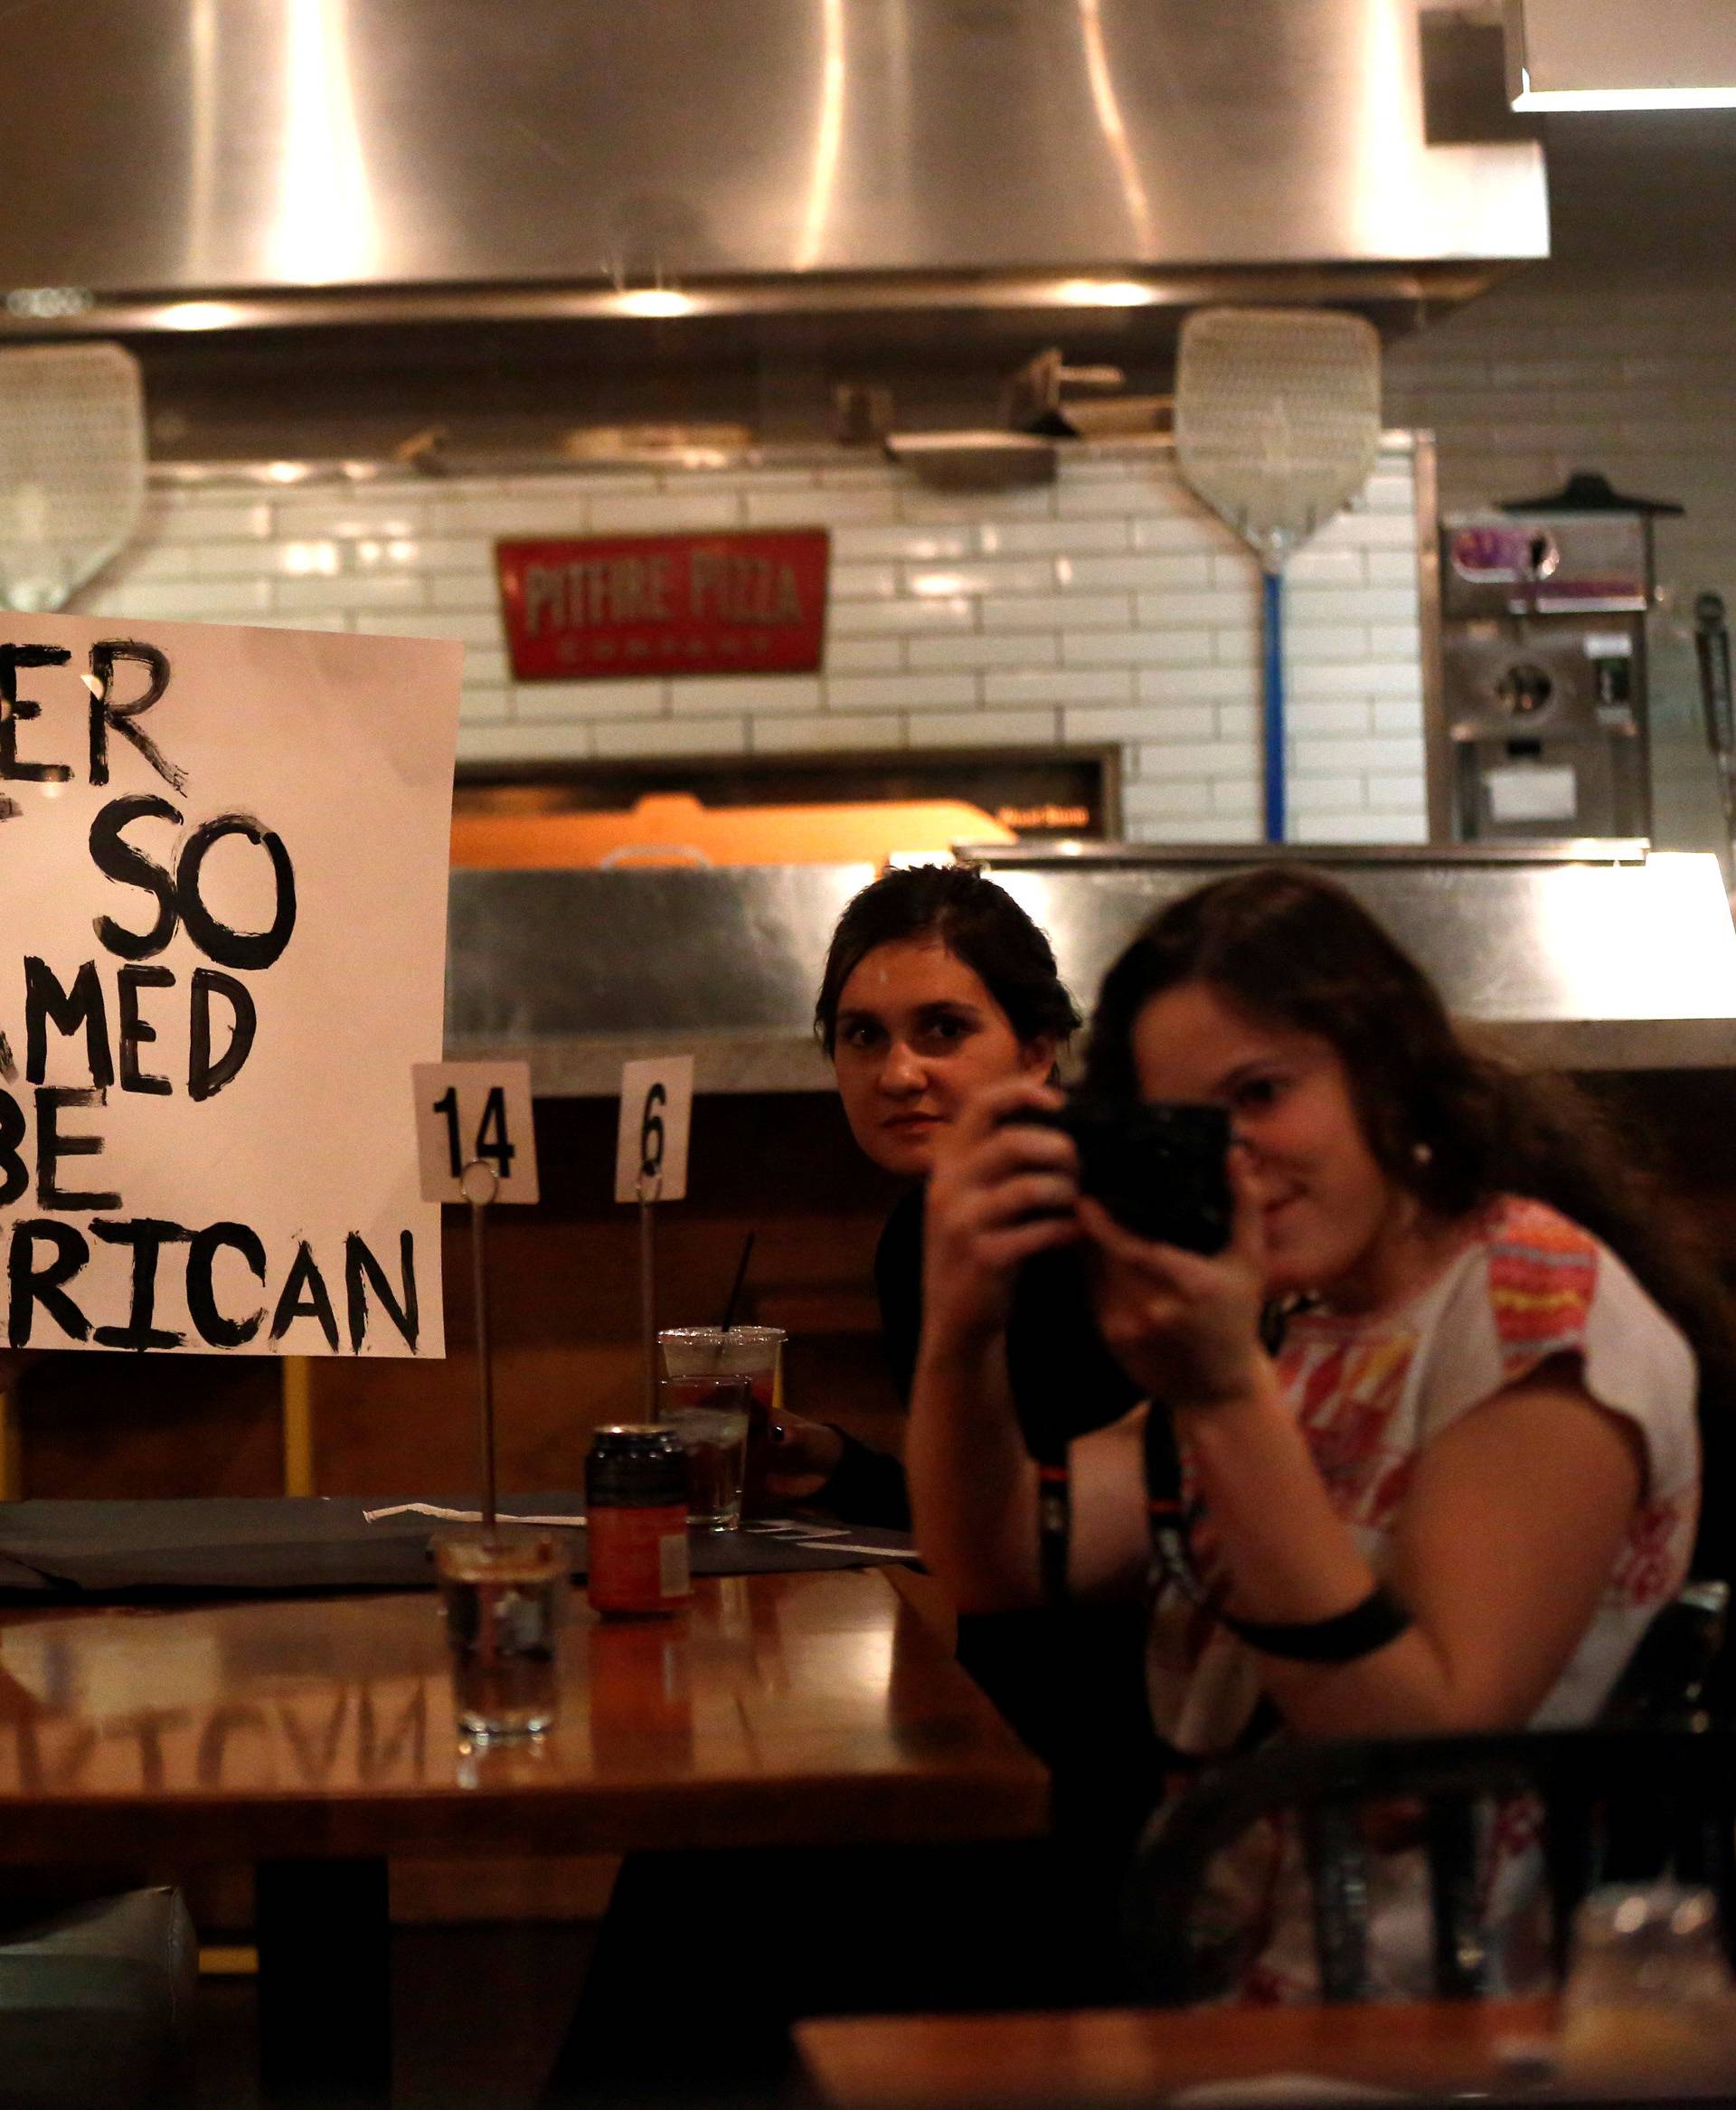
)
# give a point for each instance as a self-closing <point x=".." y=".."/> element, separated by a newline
<point x="1159" y="1170"/>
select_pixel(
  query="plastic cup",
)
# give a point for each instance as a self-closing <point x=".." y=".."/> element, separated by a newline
<point x="502" y="1597"/>
<point x="690" y="1351"/>
<point x="1649" y="1998"/>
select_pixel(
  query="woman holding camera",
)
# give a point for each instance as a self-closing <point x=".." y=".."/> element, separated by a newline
<point x="1452" y="1494"/>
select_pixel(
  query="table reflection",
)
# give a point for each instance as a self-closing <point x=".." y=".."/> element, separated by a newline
<point x="815" y="1675"/>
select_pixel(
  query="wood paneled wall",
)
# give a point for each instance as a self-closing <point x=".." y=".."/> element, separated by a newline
<point x="566" y="1313"/>
<point x="564" y="1278"/>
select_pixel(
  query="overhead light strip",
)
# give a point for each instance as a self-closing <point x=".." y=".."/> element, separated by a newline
<point x="1596" y="55"/>
<point x="1624" y="99"/>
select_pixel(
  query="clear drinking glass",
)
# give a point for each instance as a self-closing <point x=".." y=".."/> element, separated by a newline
<point x="1649" y="1996"/>
<point x="709" y="1413"/>
<point x="502" y="1596"/>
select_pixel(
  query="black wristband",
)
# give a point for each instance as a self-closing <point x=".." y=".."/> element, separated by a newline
<point x="1379" y="1619"/>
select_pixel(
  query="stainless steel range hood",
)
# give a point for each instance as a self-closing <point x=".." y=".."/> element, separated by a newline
<point x="203" y="164"/>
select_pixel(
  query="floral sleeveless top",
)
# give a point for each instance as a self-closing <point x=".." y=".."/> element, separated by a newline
<point x="1371" y="1392"/>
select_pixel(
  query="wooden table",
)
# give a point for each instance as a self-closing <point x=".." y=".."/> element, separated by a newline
<point x="316" y="1737"/>
<point x="923" y="2062"/>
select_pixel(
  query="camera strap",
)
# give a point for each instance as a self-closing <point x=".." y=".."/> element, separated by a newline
<point x="1172" y="1565"/>
<point x="1171" y="1559"/>
<point x="1054" y="1529"/>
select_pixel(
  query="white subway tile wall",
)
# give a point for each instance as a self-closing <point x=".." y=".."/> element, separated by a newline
<point x="1616" y="358"/>
<point x="1110" y="608"/>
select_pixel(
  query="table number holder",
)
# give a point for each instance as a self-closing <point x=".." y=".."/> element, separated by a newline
<point x="650" y="1193"/>
<point x="480" y="1186"/>
<point x="487" y="1107"/>
<point x="650" y="1168"/>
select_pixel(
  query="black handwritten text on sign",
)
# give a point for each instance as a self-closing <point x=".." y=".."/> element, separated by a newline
<point x="189" y="1007"/>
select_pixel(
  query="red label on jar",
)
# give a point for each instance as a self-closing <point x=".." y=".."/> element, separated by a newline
<point x="638" y="1559"/>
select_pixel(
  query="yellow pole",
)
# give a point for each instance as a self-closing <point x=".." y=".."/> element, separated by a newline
<point x="298" y="1425"/>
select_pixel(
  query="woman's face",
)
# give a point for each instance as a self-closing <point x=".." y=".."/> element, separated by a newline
<point x="1334" y="1220"/>
<point x="917" y="1032"/>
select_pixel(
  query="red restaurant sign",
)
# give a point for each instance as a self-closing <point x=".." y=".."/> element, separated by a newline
<point x="633" y="604"/>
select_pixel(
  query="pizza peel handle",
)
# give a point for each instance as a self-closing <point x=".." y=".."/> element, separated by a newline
<point x="1277" y="423"/>
<point x="71" y="467"/>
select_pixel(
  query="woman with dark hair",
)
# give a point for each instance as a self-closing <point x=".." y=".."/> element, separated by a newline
<point x="936" y="985"/>
<point x="1456" y="1491"/>
<point x="939" y="987"/>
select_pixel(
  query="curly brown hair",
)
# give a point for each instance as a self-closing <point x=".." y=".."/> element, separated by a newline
<point x="1444" y="1121"/>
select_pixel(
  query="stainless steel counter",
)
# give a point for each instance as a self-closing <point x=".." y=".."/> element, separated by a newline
<point x="1592" y="957"/>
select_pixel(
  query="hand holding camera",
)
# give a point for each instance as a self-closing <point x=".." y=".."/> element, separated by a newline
<point x="1160" y="1170"/>
<point x="1182" y="1322"/>
<point x="1004" y="1188"/>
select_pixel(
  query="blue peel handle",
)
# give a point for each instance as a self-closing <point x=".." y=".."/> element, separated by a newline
<point x="1272" y="627"/>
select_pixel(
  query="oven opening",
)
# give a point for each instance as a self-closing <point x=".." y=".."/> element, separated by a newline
<point x="834" y="809"/>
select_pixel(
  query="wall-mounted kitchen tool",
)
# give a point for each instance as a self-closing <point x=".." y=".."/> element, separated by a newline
<point x="1036" y="400"/>
<point x="973" y="460"/>
<point x="71" y="467"/>
<point x="1277" y="423"/>
<point x="1711" y="648"/>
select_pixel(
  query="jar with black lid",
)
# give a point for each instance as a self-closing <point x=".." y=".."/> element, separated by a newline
<point x="635" y="1504"/>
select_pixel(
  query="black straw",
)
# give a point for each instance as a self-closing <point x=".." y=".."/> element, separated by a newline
<point x="733" y="1298"/>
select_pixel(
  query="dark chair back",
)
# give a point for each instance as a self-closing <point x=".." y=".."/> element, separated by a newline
<point x="1619" y="1803"/>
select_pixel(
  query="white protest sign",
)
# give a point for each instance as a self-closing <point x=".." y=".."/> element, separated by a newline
<point x="656" y="1114"/>
<point x="474" y="1113"/>
<point x="223" y="860"/>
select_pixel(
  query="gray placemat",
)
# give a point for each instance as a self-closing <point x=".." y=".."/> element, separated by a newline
<point x="224" y="1545"/>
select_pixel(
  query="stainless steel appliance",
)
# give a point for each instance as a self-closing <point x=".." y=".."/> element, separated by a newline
<point x="1543" y="664"/>
<point x="1712" y="647"/>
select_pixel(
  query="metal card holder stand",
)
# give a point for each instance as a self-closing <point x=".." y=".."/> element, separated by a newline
<point x="502" y="1590"/>
<point x="480" y="1184"/>
<point x="650" y="1193"/>
<point x="650" y="1168"/>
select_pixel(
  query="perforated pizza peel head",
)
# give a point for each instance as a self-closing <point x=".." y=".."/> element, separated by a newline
<point x="71" y="467"/>
<point x="1277" y="424"/>
<point x="1278" y="418"/>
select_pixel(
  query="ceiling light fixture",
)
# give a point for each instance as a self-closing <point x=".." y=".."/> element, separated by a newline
<point x="1620" y="55"/>
<point x="200" y="314"/>
<point x="655" y="300"/>
<point x="1104" y="293"/>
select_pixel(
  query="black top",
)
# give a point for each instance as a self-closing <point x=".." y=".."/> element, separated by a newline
<point x="1065" y="1383"/>
<point x="1069" y="1678"/>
